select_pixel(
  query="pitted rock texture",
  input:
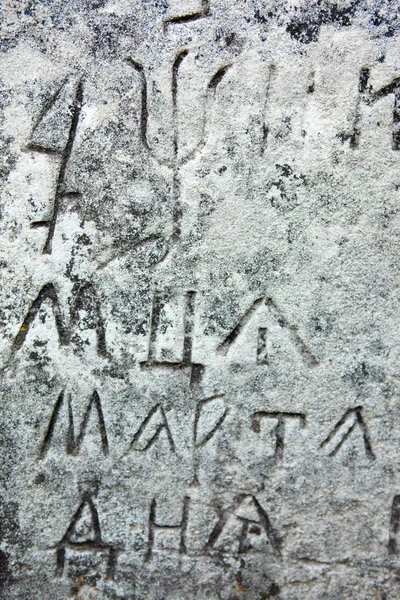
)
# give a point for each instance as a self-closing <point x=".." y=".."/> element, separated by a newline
<point x="199" y="300"/>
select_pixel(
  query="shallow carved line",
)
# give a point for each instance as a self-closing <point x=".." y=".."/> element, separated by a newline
<point x="188" y="327"/>
<point x="53" y="420"/>
<point x="51" y="223"/>
<point x="262" y="353"/>
<point x="228" y="341"/>
<point x="94" y="401"/>
<point x="279" y="429"/>
<point x="204" y="12"/>
<point x="265" y="128"/>
<point x="299" y="343"/>
<point x="394" y="526"/>
<point x="219" y="422"/>
<point x="48" y="105"/>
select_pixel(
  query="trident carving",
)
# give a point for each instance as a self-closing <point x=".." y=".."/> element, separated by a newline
<point x="177" y="161"/>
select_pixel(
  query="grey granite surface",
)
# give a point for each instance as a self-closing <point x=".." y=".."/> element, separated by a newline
<point x="199" y="300"/>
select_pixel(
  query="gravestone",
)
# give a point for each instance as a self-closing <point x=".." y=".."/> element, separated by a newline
<point x="200" y="236"/>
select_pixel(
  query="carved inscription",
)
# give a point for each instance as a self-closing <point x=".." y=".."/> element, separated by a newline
<point x="369" y="96"/>
<point x="237" y="526"/>
<point x="281" y="418"/>
<point x="196" y="370"/>
<point x="352" y="419"/>
<point x="89" y="539"/>
<point x="181" y="528"/>
<point x="74" y="442"/>
<point x="150" y="429"/>
<point x="71" y="92"/>
<point x="177" y="161"/>
<point x="85" y="298"/>
<point x="251" y="519"/>
<point x="262" y="350"/>
<point x="210" y="414"/>
<point x="208" y="423"/>
<point x="230" y="339"/>
<point x="242" y="527"/>
<point x="65" y="153"/>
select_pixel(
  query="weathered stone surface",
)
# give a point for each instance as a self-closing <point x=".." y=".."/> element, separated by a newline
<point x="200" y="238"/>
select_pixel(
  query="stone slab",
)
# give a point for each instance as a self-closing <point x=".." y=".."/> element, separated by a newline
<point x="200" y="235"/>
